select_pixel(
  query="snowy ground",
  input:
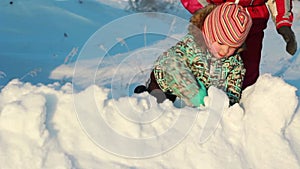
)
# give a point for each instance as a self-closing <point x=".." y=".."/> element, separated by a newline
<point x="97" y="122"/>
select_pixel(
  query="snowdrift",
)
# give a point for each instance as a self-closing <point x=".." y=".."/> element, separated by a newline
<point x="40" y="128"/>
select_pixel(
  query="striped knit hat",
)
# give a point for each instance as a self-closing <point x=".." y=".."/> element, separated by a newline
<point x="228" y="24"/>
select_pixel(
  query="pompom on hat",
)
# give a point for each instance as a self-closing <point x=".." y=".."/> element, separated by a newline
<point x="228" y="23"/>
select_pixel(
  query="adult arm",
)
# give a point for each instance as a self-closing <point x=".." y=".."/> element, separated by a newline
<point x="193" y="5"/>
<point x="282" y="15"/>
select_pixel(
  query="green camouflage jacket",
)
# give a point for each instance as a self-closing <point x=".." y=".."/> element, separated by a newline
<point x="226" y="74"/>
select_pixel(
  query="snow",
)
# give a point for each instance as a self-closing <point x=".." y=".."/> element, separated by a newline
<point x="74" y="107"/>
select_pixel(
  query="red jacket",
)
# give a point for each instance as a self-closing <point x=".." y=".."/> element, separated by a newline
<point x="256" y="8"/>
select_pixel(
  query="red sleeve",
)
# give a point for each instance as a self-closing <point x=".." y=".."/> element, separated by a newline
<point x="191" y="5"/>
<point x="284" y="13"/>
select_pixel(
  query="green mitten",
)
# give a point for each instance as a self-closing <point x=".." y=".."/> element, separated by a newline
<point x="198" y="99"/>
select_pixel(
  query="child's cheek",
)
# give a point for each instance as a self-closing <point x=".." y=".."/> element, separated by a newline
<point x="214" y="49"/>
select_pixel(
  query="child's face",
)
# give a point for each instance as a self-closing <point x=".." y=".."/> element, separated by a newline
<point x="220" y="50"/>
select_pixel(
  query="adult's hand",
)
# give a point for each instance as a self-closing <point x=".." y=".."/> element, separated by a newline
<point x="289" y="37"/>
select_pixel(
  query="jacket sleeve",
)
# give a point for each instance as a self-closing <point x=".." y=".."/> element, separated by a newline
<point x="282" y="12"/>
<point x="192" y="5"/>
<point x="234" y="84"/>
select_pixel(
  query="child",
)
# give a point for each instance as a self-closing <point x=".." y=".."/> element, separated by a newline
<point x="259" y="10"/>
<point x="207" y="56"/>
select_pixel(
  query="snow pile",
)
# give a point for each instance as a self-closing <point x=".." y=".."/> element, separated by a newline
<point x="25" y="128"/>
<point x="41" y="128"/>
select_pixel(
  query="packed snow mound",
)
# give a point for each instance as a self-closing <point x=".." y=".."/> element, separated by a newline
<point x="40" y="128"/>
